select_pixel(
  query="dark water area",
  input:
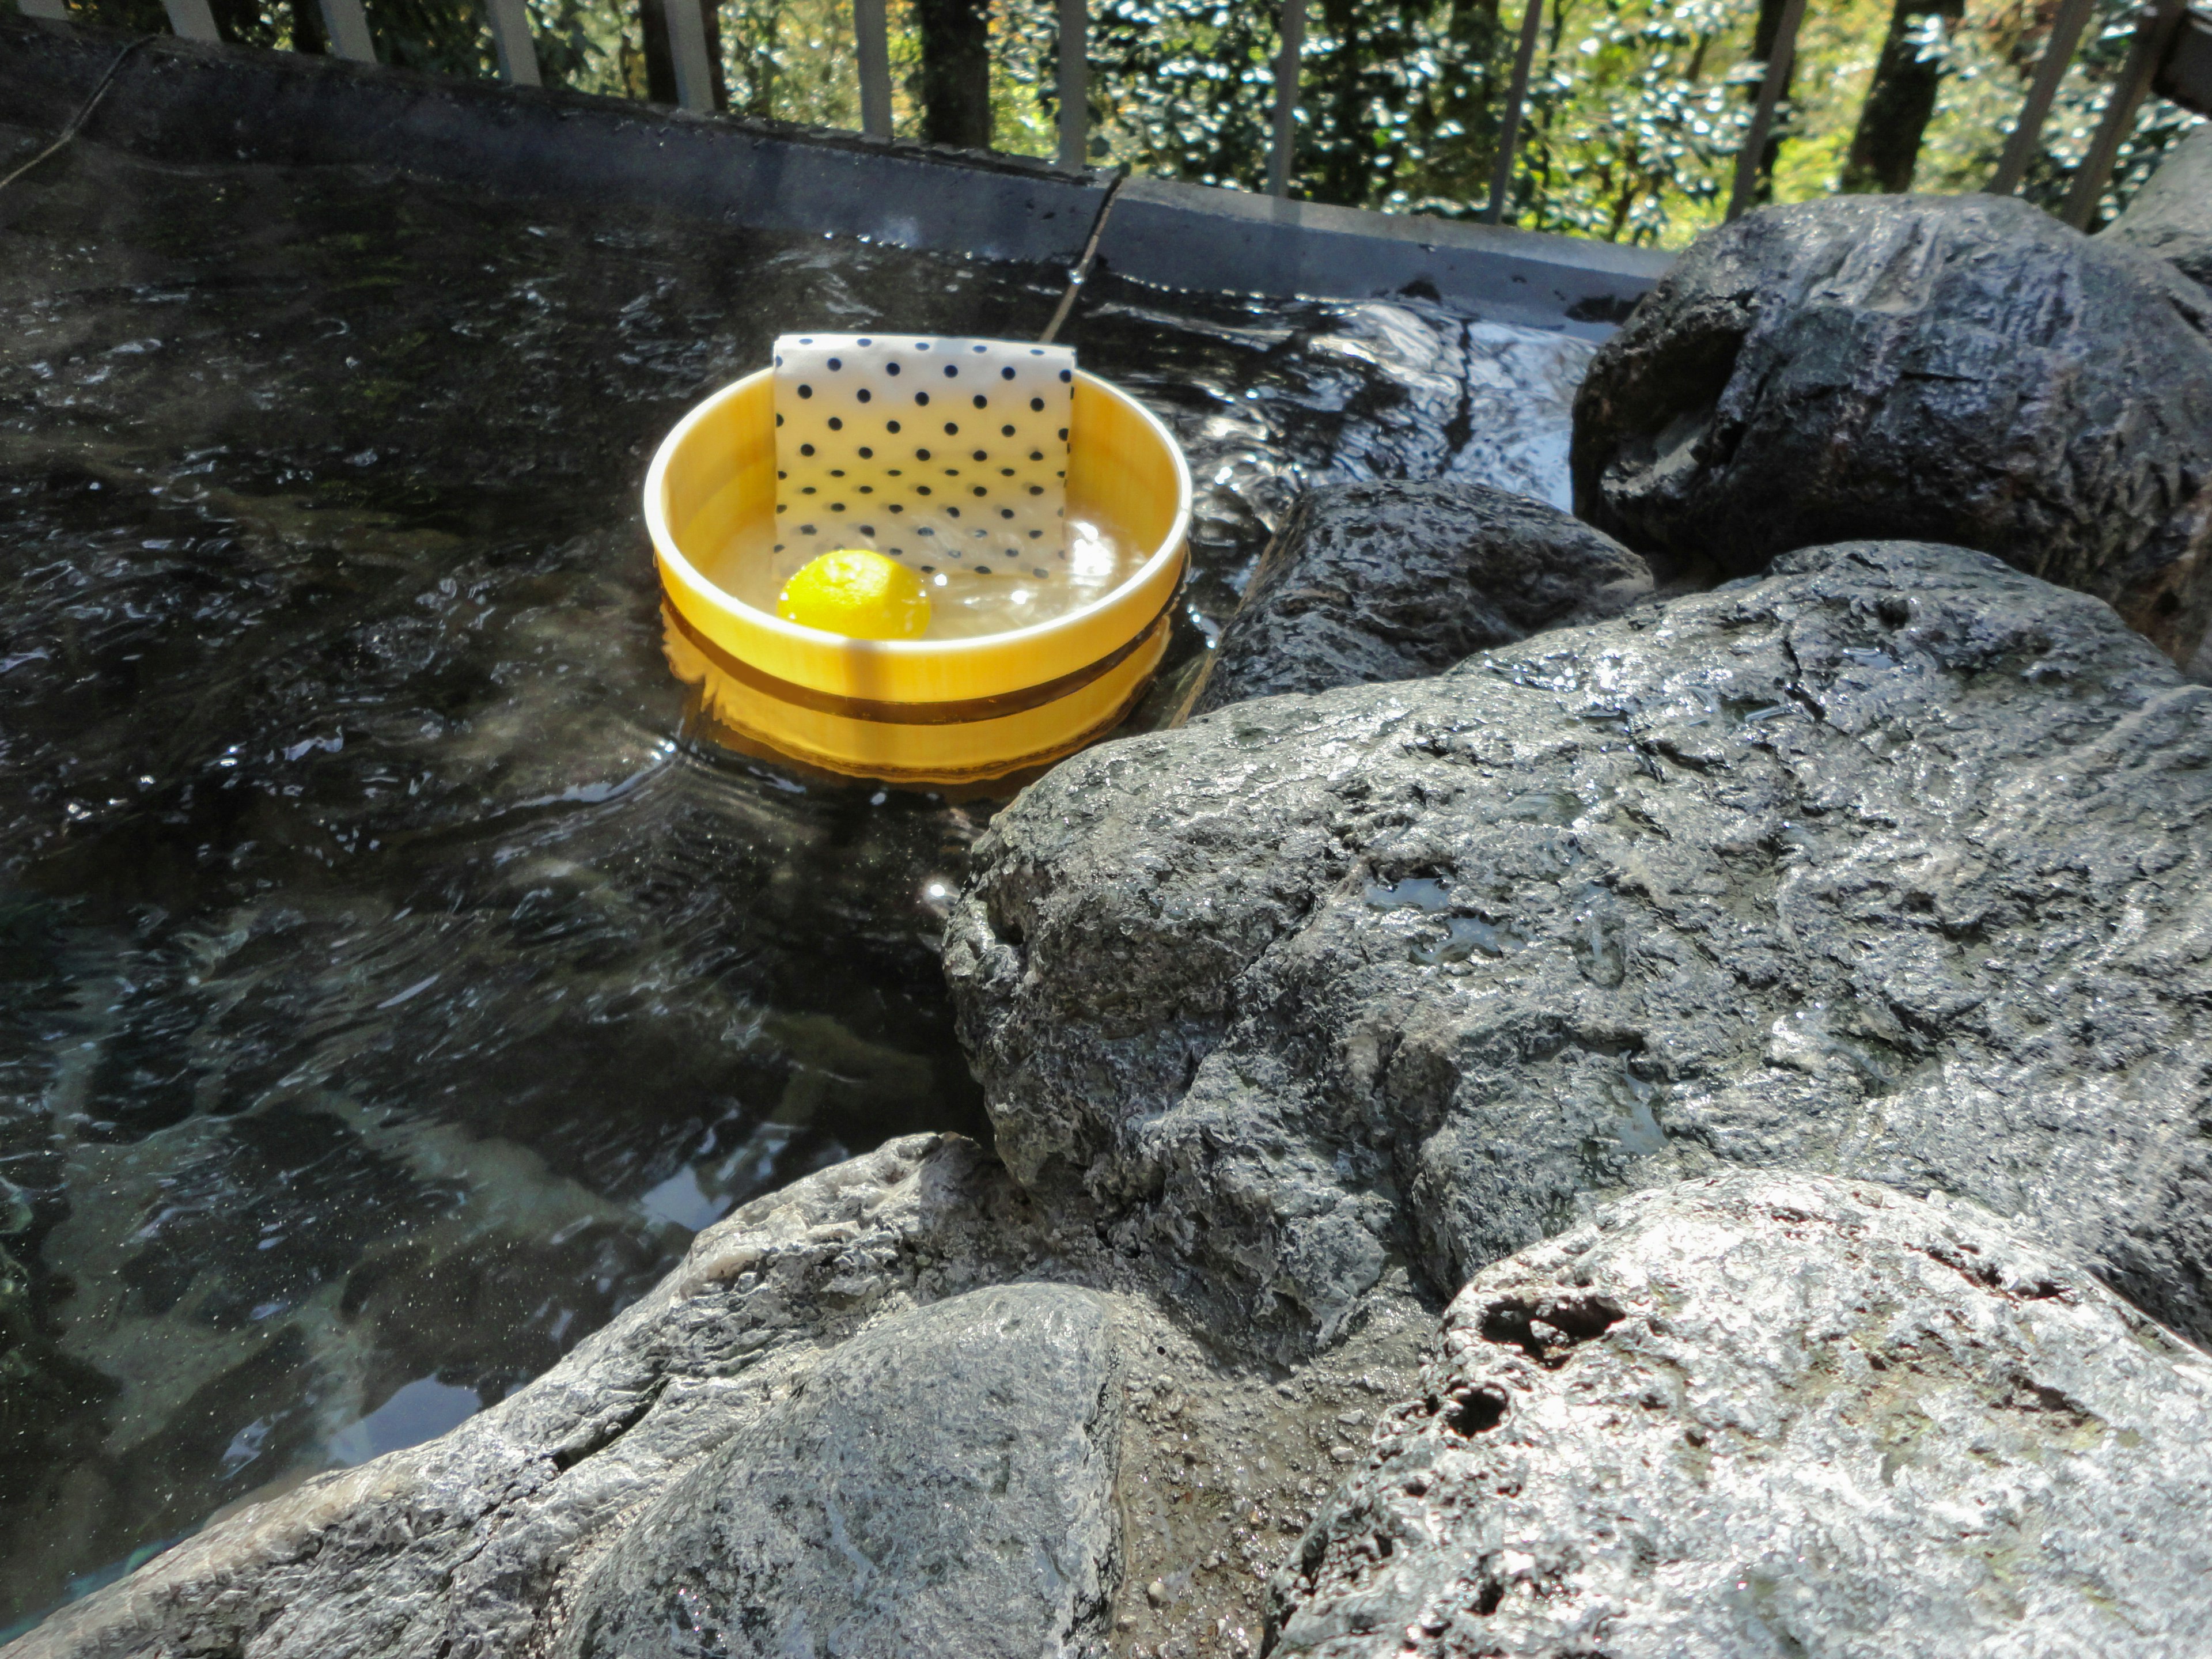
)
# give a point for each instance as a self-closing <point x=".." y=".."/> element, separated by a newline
<point x="392" y="979"/>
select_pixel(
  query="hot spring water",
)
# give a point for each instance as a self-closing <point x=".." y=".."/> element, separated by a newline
<point x="392" y="979"/>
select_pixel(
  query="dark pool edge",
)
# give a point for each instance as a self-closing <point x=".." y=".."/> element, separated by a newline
<point x="187" y="102"/>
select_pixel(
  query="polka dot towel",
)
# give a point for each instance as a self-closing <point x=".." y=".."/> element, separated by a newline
<point x="949" y="454"/>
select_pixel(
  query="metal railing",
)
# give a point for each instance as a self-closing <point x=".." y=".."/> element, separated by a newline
<point x="2171" y="54"/>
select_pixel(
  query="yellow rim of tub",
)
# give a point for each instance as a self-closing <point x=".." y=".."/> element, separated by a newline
<point x="917" y="708"/>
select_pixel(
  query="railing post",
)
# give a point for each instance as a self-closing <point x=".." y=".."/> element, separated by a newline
<point x="192" y="19"/>
<point x="510" y="35"/>
<point x="675" y="33"/>
<point x="345" y="25"/>
<point x="2057" y="52"/>
<point x="871" y="46"/>
<point x="2095" y="171"/>
<point x="1762" y="118"/>
<point x="1075" y="81"/>
<point x="687" y="50"/>
<point x="1286" y="96"/>
<point x="1516" y="100"/>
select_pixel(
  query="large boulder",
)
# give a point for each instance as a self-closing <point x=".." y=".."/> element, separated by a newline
<point x="834" y="1368"/>
<point x="465" y="1544"/>
<point x="1896" y="863"/>
<point x="1387" y="582"/>
<point x="1957" y="369"/>
<point x="1777" y="1414"/>
<point x="944" y="1482"/>
<point x="2171" y="217"/>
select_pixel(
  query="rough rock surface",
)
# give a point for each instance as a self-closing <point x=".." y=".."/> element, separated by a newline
<point x="2171" y="217"/>
<point x="944" y="1482"/>
<point x="498" y="1539"/>
<point x="1957" y="369"/>
<point x="468" y="1545"/>
<point x="1766" y="1414"/>
<point x="1387" y="582"/>
<point x="1895" y="863"/>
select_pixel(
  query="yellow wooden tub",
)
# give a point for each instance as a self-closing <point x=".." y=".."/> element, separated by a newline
<point x="912" y="710"/>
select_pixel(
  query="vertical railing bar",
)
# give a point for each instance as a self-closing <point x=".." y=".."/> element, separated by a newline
<point x="1762" y="118"/>
<point x="345" y="25"/>
<point x="1516" y="101"/>
<point x="510" y="37"/>
<point x="2058" y="53"/>
<point x="871" y="45"/>
<point x="1286" y="96"/>
<point x="687" y="53"/>
<point x="2158" y="24"/>
<point x="192" y="19"/>
<point x="1074" y="81"/>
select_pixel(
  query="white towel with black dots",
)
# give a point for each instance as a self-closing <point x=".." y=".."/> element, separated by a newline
<point x="947" y="454"/>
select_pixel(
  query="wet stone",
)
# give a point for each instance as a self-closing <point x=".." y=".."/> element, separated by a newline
<point x="1956" y="369"/>
<point x="1391" y="580"/>
<point x="2171" y="217"/>
<point x="941" y="1484"/>
<point x="1772" y="1413"/>
<point x="1827" y="870"/>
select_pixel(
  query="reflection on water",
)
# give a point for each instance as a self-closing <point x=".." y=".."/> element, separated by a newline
<point x="389" y="983"/>
<point x="966" y="601"/>
<point x="418" y="1411"/>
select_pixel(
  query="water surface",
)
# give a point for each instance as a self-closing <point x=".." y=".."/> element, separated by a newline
<point x="392" y="979"/>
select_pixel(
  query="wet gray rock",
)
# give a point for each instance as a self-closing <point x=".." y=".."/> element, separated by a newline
<point x="2171" y="217"/>
<point x="942" y="1483"/>
<point x="1895" y="864"/>
<point x="1771" y="1414"/>
<point x="1958" y="369"/>
<point x="1388" y="581"/>
<point x="834" y="1362"/>
<point x="473" y="1544"/>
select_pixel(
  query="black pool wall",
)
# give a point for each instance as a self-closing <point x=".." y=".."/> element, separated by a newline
<point x="185" y="101"/>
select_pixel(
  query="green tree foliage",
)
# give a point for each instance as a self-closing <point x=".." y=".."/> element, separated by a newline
<point x="1638" y="113"/>
<point x="1637" y="107"/>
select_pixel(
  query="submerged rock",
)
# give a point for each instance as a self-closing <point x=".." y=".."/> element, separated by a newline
<point x="1958" y="369"/>
<point x="1777" y="1414"/>
<point x="1895" y="863"/>
<point x="2171" y="217"/>
<point x="1386" y="582"/>
<point x="942" y="1483"/>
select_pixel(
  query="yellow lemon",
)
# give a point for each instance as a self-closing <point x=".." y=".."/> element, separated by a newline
<point x="859" y="594"/>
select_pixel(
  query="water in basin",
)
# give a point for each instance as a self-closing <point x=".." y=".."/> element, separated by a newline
<point x="392" y="981"/>
<point x="969" y="600"/>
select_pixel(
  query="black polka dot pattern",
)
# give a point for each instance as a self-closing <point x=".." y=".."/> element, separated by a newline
<point x="836" y="442"/>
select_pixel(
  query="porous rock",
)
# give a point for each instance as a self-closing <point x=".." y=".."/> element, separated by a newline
<point x="1769" y="1414"/>
<point x="1957" y="369"/>
<point x="943" y="1483"/>
<point x="2171" y="217"/>
<point x="1390" y="580"/>
<point x="1894" y="863"/>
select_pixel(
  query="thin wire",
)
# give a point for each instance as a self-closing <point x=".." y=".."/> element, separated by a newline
<point x="83" y="115"/>
<point x="1083" y="266"/>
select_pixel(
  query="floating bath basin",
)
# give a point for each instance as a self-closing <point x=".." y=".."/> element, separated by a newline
<point x="934" y="709"/>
